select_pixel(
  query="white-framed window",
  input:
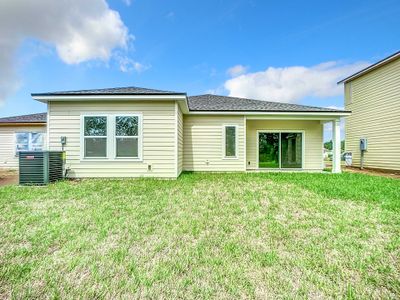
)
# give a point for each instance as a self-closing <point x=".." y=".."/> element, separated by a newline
<point x="111" y="136"/>
<point x="349" y="93"/>
<point x="127" y="136"/>
<point x="29" y="141"/>
<point x="95" y="136"/>
<point x="230" y="141"/>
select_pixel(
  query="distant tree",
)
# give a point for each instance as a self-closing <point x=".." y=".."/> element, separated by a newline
<point x="329" y="145"/>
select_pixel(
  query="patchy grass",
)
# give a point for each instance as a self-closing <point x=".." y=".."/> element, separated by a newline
<point x="219" y="236"/>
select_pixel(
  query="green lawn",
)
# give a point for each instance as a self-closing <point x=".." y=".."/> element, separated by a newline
<point x="255" y="235"/>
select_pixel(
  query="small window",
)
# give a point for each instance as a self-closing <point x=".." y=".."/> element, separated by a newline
<point x="230" y="141"/>
<point x="127" y="136"/>
<point x="95" y="136"/>
<point x="349" y="93"/>
<point x="29" y="141"/>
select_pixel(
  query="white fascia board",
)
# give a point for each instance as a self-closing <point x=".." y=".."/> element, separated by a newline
<point x="45" y="99"/>
<point x="278" y="115"/>
<point x="183" y="105"/>
<point x="181" y="99"/>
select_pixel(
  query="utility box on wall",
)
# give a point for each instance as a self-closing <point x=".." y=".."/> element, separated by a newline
<point x="40" y="167"/>
<point x="363" y="144"/>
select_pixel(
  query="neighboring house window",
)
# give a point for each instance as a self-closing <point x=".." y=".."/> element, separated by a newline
<point x="230" y="141"/>
<point x="349" y="93"/>
<point x="127" y="136"/>
<point x="95" y="136"/>
<point x="29" y="141"/>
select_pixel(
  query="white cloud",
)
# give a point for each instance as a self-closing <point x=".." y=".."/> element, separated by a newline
<point x="328" y="130"/>
<point x="236" y="70"/>
<point x="79" y="30"/>
<point x="335" y="107"/>
<point x="291" y="84"/>
<point x="217" y="91"/>
<point x="127" y="64"/>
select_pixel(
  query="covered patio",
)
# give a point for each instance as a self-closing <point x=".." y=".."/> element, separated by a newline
<point x="289" y="143"/>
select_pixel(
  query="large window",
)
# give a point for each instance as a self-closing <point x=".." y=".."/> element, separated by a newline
<point x="127" y="136"/>
<point x="280" y="150"/>
<point x="95" y="136"/>
<point x="29" y="141"/>
<point x="230" y="141"/>
<point x="111" y="136"/>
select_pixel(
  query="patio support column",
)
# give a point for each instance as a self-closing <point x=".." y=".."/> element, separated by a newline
<point x="336" y="146"/>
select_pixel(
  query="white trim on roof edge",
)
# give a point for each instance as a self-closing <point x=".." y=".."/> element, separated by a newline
<point x="108" y="97"/>
<point x="272" y="113"/>
<point x="182" y="101"/>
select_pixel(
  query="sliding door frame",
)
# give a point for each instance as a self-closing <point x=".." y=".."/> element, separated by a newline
<point x="303" y="143"/>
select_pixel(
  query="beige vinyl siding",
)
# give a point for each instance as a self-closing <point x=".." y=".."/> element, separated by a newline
<point x="159" y="138"/>
<point x="180" y="139"/>
<point x="313" y="135"/>
<point x="8" y="159"/>
<point x="375" y="106"/>
<point x="203" y="143"/>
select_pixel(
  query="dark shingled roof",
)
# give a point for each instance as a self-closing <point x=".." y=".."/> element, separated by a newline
<point x="132" y="90"/>
<point x="223" y="103"/>
<point x="211" y="103"/>
<point x="32" y="118"/>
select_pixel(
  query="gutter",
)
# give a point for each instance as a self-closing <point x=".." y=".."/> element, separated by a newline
<point x="23" y="124"/>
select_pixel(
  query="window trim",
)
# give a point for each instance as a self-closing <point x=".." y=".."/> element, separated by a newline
<point x="139" y="137"/>
<point x="303" y="145"/>
<point x="29" y="140"/>
<point x="82" y="129"/>
<point x="111" y="138"/>
<point x="224" y="141"/>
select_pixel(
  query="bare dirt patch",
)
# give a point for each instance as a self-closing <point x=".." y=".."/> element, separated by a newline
<point x="8" y="177"/>
<point x="375" y="172"/>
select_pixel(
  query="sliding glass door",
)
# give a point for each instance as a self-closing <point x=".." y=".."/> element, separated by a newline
<point x="282" y="150"/>
<point x="268" y="147"/>
<point x="291" y="150"/>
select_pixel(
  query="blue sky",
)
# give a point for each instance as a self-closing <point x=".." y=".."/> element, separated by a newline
<point x="242" y="48"/>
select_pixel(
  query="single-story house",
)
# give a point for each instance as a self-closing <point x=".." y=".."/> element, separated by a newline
<point x="18" y="133"/>
<point x="138" y="132"/>
<point x="373" y="95"/>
